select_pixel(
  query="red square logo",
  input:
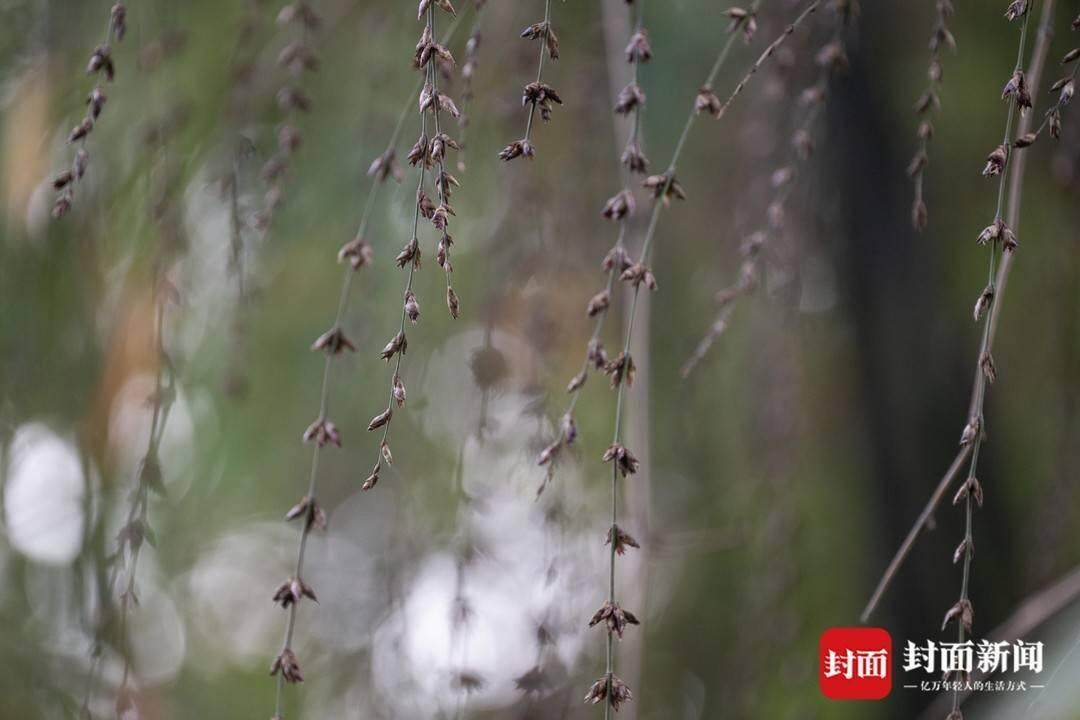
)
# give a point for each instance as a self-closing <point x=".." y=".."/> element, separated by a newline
<point x="855" y="663"/>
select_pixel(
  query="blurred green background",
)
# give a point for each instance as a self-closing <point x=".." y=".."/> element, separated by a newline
<point x="778" y="479"/>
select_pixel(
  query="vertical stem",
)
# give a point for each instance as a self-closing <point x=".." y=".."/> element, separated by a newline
<point x="540" y="64"/>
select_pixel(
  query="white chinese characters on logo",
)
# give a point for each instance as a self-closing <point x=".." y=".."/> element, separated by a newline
<point x="857" y="664"/>
<point x="985" y="656"/>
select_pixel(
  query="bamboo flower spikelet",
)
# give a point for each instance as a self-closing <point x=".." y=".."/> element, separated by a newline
<point x="427" y="154"/>
<point x="830" y="59"/>
<point x="102" y="67"/>
<point x="619" y="209"/>
<point x="537" y="95"/>
<point x="297" y="59"/>
<point x="928" y="102"/>
<point x="610" y="689"/>
<point x="1001" y="239"/>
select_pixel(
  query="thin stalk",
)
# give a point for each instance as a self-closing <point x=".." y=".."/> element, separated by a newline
<point x="324" y="391"/>
<point x="654" y="218"/>
<point x="539" y="66"/>
<point x="646" y="248"/>
<point x="766" y="54"/>
<point x="1015" y="177"/>
<point x="749" y="270"/>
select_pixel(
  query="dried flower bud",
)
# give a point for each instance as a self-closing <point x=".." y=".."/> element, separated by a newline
<point x="101" y="61"/>
<point x="1054" y="122"/>
<point x="296" y="56"/>
<point x="372" y="479"/>
<point x="782" y="176"/>
<point x="803" y="144"/>
<point x="972" y="487"/>
<point x="289" y="667"/>
<point x="616" y="259"/>
<point x="569" y="429"/>
<point x="308" y="508"/>
<point x="424" y="204"/>
<point x="81" y="130"/>
<point x="381" y="419"/>
<point x="333" y="342"/>
<point x="815" y="95"/>
<point x="1026" y="140"/>
<point x="292" y="591"/>
<point x="983" y="303"/>
<point x="707" y="101"/>
<point x="96" y="102"/>
<point x="927" y="101"/>
<point x="385" y="166"/>
<point x="619" y="206"/>
<point x="961" y="611"/>
<point x="540" y="95"/>
<point x="995" y="161"/>
<point x="629" y="99"/>
<point x="634" y="159"/>
<point x="609" y="688"/>
<point x="63" y="180"/>
<point x="832" y="56"/>
<point x="300" y="12"/>
<point x="534" y="681"/>
<point x="322" y="432"/>
<point x="966" y="548"/>
<point x="1017" y="86"/>
<point x="918" y="215"/>
<point x="62" y="205"/>
<point x="598" y="303"/>
<point x="548" y="453"/>
<point x="637" y="274"/>
<point x="596" y="354"/>
<point x="971" y="431"/>
<point x="452" y="303"/>
<point x="614" y="617"/>
<point x="289" y="98"/>
<point x="638" y="49"/>
<point x="412" y="307"/>
<point x="989" y="369"/>
<point x="1067" y="91"/>
<point x="934" y="70"/>
<point x="623" y="540"/>
<point x="410" y="253"/>
<point x="1016" y="9"/>
<point x="624" y="460"/>
<point x="397" y="344"/>
<point x="664" y="187"/>
<point x="577" y="382"/>
<point x="357" y="252"/>
<point x="918" y="163"/>
<point x="118" y="21"/>
<point x="942" y="37"/>
<point x="518" y="148"/>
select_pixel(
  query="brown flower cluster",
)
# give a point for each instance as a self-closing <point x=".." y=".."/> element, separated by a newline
<point x="296" y="59"/>
<point x="428" y="154"/>
<point x="940" y="37"/>
<point x="1065" y="87"/>
<point x="100" y="65"/>
<point x="996" y="236"/>
<point x="537" y="95"/>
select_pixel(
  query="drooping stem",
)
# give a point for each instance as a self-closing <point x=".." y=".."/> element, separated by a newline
<point x="1015" y="177"/>
<point x="539" y="67"/>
